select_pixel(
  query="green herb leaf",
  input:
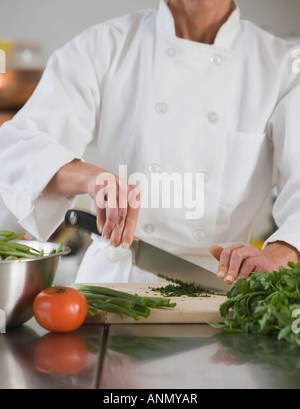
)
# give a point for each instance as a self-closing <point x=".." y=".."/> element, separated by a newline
<point x="263" y="303"/>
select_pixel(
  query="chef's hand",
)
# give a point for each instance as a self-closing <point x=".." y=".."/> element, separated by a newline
<point x="117" y="203"/>
<point x="240" y="260"/>
<point x="117" y="208"/>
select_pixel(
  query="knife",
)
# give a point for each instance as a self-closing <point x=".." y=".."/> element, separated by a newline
<point x="153" y="259"/>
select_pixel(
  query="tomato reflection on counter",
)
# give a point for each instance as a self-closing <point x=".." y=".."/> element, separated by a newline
<point x="60" y="309"/>
<point x="56" y="353"/>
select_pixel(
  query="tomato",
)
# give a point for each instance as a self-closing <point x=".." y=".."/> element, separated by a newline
<point x="60" y="309"/>
<point x="60" y="354"/>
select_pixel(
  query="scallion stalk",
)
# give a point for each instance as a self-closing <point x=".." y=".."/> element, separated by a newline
<point x="120" y="302"/>
<point x="10" y="250"/>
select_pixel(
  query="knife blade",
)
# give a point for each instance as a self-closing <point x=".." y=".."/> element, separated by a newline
<point x="153" y="259"/>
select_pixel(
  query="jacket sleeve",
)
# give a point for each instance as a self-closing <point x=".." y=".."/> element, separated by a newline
<point x="285" y="133"/>
<point x="53" y="128"/>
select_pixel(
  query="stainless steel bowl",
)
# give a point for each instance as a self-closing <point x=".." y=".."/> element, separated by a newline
<point x="21" y="280"/>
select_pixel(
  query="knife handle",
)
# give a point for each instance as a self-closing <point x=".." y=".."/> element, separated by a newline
<point x="82" y="220"/>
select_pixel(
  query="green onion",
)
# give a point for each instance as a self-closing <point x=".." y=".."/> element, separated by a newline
<point x="60" y="248"/>
<point x="109" y="307"/>
<point x="142" y="310"/>
<point x="8" y="236"/>
<point x="14" y="253"/>
<point x="11" y="251"/>
<point x="112" y="293"/>
<point x="120" y="302"/>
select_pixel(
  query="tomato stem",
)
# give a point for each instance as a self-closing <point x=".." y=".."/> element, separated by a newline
<point x="59" y="290"/>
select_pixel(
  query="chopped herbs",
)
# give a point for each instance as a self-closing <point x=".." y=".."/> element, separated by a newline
<point x="180" y="288"/>
<point x="265" y="303"/>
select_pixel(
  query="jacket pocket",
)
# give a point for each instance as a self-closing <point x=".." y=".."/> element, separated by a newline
<point x="247" y="169"/>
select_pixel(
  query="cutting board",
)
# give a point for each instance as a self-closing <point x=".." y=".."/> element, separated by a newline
<point x="189" y="310"/>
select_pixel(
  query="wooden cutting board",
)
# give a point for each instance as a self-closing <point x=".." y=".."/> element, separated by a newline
<point x="189" y="310"/>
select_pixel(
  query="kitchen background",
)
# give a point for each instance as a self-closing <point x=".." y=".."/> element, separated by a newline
<point x="52" y="23"/>
<point x="33" y="29"/>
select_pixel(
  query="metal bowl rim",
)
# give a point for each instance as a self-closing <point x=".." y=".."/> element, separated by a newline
<point x="66" y="250"/>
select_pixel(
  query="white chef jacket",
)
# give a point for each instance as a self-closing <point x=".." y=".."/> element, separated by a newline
<point x="158" y="103"/>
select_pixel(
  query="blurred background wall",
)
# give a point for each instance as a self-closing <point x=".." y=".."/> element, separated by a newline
<point x="53" y="22"/>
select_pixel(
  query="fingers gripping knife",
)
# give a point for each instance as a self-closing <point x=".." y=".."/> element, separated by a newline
<point x="153" y="259"/>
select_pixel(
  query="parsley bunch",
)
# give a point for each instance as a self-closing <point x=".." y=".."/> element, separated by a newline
<point x="265" y="303"/>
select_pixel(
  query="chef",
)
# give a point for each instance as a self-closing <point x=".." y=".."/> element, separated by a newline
<point x="188" y="89"/>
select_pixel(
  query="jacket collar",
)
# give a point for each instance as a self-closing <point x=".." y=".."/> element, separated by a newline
<point x="225" y="36"/>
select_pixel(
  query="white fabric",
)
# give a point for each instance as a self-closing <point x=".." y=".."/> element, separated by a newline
<point x="110" y="264"/>
<point x="7" y="220"/>
<point x="150" y="98"/>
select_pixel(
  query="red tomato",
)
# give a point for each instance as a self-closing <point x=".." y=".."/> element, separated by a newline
<point x="60" y="309"/>
<point x="60" y="354"/>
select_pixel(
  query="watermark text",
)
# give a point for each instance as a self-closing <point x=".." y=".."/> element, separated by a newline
<point x="157" y="190"/>
<point x="296" y="62"/>
<point x="296" y="323"/>
<point x="2" y="322"/>
<point x="2" y="62"/>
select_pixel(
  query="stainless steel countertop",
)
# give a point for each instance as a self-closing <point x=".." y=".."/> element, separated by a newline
<point x="144" y="357"/>
<point x="32" y="358"/>
<point x="196" y="357"/>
